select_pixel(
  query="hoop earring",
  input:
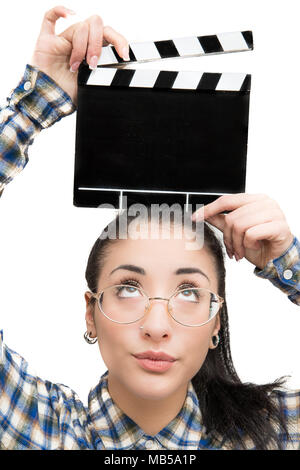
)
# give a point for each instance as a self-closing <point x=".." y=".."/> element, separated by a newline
<point x="215" y="340"/>
<point x="88" y="339"/>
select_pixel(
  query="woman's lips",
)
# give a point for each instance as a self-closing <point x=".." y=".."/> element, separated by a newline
<point x="155" y="365"/>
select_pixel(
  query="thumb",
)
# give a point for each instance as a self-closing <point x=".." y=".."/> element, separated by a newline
<point x="51" y="17"/>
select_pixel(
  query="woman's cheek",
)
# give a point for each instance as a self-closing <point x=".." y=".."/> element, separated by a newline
<point x="116" y="343"/>
<point x="196" y="349"/>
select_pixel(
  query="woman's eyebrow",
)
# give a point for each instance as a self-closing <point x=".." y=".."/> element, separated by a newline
<point x="130" y="267"/>
<point x="139" y="270"/>
<point x="191" y="271"/>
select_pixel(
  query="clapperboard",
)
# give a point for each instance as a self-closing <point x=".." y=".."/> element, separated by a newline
<point x="161" y="136"/>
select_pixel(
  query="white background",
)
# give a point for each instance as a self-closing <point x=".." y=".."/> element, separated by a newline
<point x="45" y="241"/>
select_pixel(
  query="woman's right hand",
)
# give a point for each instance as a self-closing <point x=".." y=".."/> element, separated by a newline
<point x="60" y="56"/>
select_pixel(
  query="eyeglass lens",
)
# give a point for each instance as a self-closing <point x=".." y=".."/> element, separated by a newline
<point x="126" y="304"/>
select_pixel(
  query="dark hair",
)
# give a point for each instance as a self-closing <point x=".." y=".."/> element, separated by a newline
<point x="231" y="411"/>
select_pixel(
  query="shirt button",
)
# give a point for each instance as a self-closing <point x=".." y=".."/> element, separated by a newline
<point x="27" y="86"/>
<point x="150" y="445"/>
<point x="288" y="274"/>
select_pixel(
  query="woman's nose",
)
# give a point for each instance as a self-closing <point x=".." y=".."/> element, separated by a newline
<point x="157" y="321"/>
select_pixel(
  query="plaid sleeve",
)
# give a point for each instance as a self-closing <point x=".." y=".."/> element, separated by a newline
<point x="37" y="414"/>
<point x="288" y="402"/>
<point x="37" y="103"/>
<point x="284" y="272"/>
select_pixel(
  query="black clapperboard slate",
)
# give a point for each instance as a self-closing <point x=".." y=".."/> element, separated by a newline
<point x="161" y="136"/>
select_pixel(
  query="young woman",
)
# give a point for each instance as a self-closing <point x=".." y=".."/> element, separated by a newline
<point x="157" y="310"/>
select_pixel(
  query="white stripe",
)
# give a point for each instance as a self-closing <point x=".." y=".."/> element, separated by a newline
<point x="101" y="76"/>
<point x="232" y="41"/>
<point x="144" y="78"/>
<point x="231" y="81"/>
<point x="107" y="56"/>
<point x="187" y="201"/>
<point x="145" y="51"/>
<point x="147" y="191"/>
<point x="187" y="80"/>
<point x="188" y="46"/>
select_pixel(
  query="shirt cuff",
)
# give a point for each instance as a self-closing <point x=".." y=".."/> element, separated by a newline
<point x="284" y="271"/>
<point x="40" y="98"/>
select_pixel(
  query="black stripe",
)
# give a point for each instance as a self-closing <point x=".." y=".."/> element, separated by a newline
<point x="210" y="44"/>
<point x="123" y="77"/>
<point x="166" y="49"/>
<point x="131" y="55"/>
<point x="84" y="73"/>
<point x="120" y="59"/>
<point x="248" y="36"/>
<point x="209" y="81"/>
<point x="165" y="79"/>
<point x="246" y="86"/>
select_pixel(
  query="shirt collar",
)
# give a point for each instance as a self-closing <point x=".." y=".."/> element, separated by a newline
<point x="117" y="431"/>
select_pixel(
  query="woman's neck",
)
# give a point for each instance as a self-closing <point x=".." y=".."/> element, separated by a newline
<point x="150" y="415"/>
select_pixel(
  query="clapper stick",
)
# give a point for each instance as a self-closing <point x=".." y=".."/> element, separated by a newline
<point x="192" y="46"/>
<point x="108" y="75"/>
<point x="161" y="136"/>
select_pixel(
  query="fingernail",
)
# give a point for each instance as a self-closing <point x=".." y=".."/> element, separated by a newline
<point x="74" y="67"/>
<point x="71" y="12"/>
<point x="125" y="53"/>
<point x="237" y="258"/>
<point x="93" y="62"/>
<point x="230" y="254"/>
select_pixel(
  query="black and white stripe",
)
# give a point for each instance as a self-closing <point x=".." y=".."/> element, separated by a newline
<point x="108" y="75"/>
<point x="180" y="47"/>
<point x="184" y="80"/>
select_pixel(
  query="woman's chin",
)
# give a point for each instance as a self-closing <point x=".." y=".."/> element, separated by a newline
<point x="150" y="386"/>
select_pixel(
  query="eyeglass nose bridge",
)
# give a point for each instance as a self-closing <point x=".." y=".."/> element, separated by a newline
<point x="169" y="309"/>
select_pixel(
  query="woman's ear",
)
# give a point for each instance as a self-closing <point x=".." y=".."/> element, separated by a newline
<point x="217" y="324"/>
<point x="89" y="315"/>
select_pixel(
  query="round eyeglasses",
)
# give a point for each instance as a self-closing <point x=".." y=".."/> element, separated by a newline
<point x="124" y="304"/>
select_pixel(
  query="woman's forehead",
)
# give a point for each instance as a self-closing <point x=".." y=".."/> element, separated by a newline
<point x="159" y="257"/>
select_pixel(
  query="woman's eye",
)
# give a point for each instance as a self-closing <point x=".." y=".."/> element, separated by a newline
<point x="189" y="294"/>
<point x="128" y="291"/>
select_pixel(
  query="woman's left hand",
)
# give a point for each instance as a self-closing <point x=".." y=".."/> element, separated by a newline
<point x="60" y="55"/>
<point x="255" y="227"/>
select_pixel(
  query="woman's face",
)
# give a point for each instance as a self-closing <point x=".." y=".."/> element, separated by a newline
<point x="153" y="266"/>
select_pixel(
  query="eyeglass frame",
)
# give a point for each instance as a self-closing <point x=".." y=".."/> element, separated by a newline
<point x="97" y="297"/>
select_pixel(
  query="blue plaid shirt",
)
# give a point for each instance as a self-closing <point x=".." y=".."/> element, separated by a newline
<point x="38" y="414"/>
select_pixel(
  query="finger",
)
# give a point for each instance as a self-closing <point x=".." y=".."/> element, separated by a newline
<point x="227" y="202"/>
<point x="117" y="40"/>
<point x="95" y="41"/>
<point x="219" y="222"/>
<point x="269" y="231"/>
<point x="51" y="17"/>
<point x="240" y="224"/>
<point x="80" y="41"/>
